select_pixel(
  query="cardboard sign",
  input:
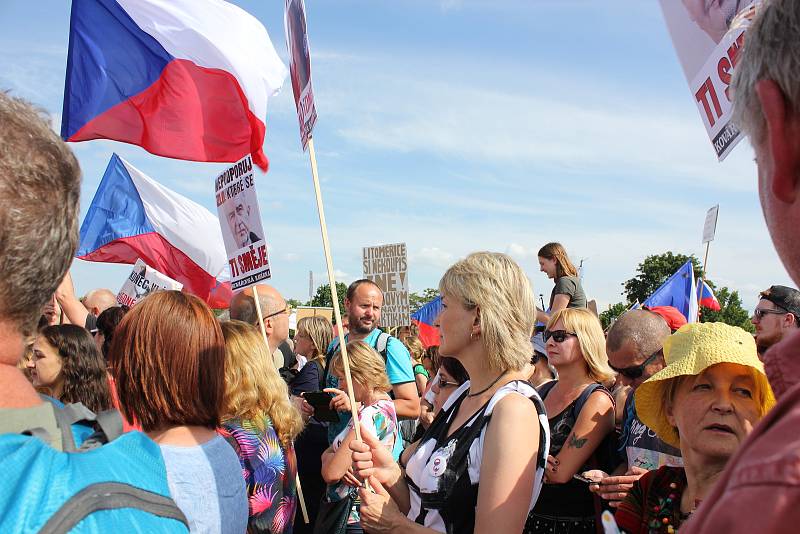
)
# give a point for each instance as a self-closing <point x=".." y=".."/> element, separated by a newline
<point x="710" y="226"/>
<point x="314" y="311"/>
<point x="240" y="220"/>
<point x="387" y="266"/>
<point x="708" y="37"/>
<point x="300" y="67"/>
<point x="142" y="281"/>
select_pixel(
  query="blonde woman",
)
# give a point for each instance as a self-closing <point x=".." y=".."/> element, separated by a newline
<point x="417" y="350"/>
<point x="260" y="423"/>
<point x="465" y="474"/>
<point x="311" y="339"/>
<point x="376" y="414"/>
<point x="581" y="415"/>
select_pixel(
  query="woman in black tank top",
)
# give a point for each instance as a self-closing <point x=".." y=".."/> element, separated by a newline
<point x="476" y="468"/>
<point x="581" y="415"/>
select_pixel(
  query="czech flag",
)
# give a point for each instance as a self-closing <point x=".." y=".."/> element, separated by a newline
<point x="679" y="292"/>
<point x="185" y="79"/>
<point x="425" y="318"/>
<point x="706" y="297"/>
<point x="133" y="216"/>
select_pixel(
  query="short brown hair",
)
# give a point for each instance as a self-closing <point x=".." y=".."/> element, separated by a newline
<point x="39" y="193"/>
<point x="168" y="358"/>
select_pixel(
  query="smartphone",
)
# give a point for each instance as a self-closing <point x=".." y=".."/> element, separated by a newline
<point x="321" y="401"/>
<point x="578" y="476"/>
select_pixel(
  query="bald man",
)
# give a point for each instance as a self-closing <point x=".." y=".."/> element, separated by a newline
<point x="83" y="313"/>
<point x="275" y="313"/>
<point x="635" y="351"/>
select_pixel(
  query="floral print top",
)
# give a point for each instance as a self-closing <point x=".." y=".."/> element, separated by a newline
<point x="381" y="420"/>
<point x="269" y="471"/>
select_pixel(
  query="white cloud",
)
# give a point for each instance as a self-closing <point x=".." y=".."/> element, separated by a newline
<point x="291" y="256"/>
<point x="433" y="256"/>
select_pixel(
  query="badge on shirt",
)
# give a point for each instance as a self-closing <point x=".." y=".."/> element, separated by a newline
<point x="438" y="462"/>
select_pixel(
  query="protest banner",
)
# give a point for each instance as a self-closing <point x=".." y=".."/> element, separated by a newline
<point x="240" y="221"/>
<point x="314" y="311"/>
<point x="300" y="67"/>
<point x="710" y="226"/>
<point x="387" y="266"/>
<point x="294" y="19"/>
<point x="142" y="281"/>
<point x="708" y="37"/>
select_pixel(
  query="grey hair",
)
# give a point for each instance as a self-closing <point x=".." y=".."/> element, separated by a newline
<point x="39" y="195"/>
<point x="771" y="52"/>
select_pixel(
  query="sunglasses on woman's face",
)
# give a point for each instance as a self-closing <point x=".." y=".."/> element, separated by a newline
<point x="636" y="371"/>
<point x="448" y="384"/>
<point x="558" y="335"/>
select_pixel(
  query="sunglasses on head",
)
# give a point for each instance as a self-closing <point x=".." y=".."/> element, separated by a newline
<point x="637" y="370"/>
<point x="558" y="335"/>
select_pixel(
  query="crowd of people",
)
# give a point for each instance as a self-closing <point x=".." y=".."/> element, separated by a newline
<point x="165" y="417"/>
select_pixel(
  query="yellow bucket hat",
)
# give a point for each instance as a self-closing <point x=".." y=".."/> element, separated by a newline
<point x="692" y="349"/>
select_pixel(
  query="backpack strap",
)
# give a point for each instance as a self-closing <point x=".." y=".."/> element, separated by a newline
<point x="382" y="345"/>
<point x="110" y="496"/>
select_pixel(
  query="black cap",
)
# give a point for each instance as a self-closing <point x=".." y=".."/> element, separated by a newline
<point x="786" y="298"/>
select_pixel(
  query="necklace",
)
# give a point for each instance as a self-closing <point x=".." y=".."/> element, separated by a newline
<point x="487" y="388"/>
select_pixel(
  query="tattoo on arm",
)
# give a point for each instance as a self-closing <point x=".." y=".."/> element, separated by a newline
<point x="576" y="442"/>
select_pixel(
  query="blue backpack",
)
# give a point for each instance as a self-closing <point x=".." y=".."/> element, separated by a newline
<point x="117" y="487"/>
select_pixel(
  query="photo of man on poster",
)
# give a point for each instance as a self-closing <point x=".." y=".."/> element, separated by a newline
<point x="241" y="220"/>
<point x="298" y="48"/>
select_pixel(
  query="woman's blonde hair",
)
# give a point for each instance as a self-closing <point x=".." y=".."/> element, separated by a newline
<point x="498" y="287"/>
<point x="415" y="348"/>
<point x="366" y="366"/>
<point x="253" y="387"/>
<point x="585" y="324"/>
<point x="320" y="330"/>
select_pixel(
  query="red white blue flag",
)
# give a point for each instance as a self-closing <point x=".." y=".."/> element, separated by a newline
<point x="706" y="297"/>
<point x="185" y="79"/>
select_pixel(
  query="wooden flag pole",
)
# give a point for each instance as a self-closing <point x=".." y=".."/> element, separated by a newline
<point x="703" y="278"/>
<point x="260" y="315"/>
<point x="334" y="293"/>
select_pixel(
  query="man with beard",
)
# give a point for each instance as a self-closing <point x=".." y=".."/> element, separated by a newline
<point x="776" y="315"/>
<point x="363" y="304"/>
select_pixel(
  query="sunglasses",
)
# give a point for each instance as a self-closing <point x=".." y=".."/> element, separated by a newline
<point x="759" y="313"/>
<point x="448" y="384"/>
<point x="637" y="370"/>
<point x="558" y="335"/>
<point x="287" y="310"/>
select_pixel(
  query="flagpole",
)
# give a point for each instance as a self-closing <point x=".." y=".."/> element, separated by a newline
<point x="263" y="329"/>
<point x="334" y="293"/>
<point x="703" y="278"/>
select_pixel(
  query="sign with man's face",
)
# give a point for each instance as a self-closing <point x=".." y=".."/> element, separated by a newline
<point x="387" y="266"/>
<point x="240" y="220"/>
<point x="300" y="67"/>
<point x="708" y="37"/>
<point x="142" y="281"/>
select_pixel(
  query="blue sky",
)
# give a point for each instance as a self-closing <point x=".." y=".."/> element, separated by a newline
<point x="459" y="125"/>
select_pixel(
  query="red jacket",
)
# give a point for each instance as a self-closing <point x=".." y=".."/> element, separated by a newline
<point x="759" y="491"/>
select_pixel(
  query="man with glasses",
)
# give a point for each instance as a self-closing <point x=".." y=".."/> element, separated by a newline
<point x="276" y="323"/>
<point x="634" y="347"/>
<point x="777" y="314"/>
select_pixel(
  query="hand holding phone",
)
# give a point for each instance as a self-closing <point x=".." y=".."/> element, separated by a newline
<point x="320" y="401"/>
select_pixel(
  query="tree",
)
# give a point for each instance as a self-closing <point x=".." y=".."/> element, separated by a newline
<point x="731" y="311"/>
<point x="416" y="301"/>
<point x="293" y="303"/>
<point x="608" y="317"/>
<point x="323" y="296"/>
<point x="653" y="272"/>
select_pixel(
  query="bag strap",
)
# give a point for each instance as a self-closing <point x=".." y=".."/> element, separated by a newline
<point x="110" y="496"/>
<point x="382" y="345"/>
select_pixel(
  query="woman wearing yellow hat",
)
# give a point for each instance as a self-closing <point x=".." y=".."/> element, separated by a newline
<point x="705" y="401"/>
